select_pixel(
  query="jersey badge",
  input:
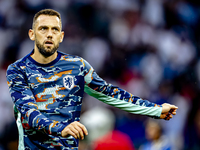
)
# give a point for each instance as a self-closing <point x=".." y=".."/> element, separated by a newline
<point x="68" y="82"/>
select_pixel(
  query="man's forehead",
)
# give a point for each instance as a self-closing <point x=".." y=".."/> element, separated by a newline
<point x="48" y="20"/>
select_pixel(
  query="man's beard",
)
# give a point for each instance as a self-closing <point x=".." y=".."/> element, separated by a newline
<point x="44" y="51"/>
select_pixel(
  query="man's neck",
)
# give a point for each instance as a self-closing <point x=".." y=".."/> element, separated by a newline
<point x="38" y="57"/>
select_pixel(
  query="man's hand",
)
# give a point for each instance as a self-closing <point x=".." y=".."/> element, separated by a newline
<point x="76" y="129"/>
<point x="167" y="111"/>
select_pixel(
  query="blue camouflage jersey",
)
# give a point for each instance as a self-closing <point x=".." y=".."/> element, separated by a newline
<point x="48" y="97"/>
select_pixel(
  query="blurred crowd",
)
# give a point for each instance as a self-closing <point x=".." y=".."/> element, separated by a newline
<point x="150" y="48"/>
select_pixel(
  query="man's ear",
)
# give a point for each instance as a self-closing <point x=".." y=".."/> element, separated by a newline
<point x="31" y="34"/>
<point x="62" y="36"/>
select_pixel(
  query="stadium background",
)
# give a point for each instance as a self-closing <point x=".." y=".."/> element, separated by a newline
<point x="148" y="47"/>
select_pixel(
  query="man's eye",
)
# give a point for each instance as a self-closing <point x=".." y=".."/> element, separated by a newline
<point x="43" y="28"/>
<point x="55" y="29"/>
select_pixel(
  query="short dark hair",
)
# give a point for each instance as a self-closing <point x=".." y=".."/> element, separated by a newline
<point x="48" y="12"/>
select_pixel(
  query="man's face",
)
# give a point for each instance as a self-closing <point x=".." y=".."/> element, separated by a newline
<point x="47" y="34"/>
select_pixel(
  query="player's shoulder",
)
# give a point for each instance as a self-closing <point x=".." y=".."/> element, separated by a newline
<point x="18" y="64"/>
<point x="69" y="57"/>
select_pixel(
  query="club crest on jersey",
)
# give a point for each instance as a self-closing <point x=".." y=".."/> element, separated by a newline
<point x="68" y="82"/>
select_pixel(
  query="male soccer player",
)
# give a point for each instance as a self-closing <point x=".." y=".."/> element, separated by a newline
<point x="47" y="88"/>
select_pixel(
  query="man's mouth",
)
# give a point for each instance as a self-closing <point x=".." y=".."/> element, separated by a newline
<point x="48" y="43"/>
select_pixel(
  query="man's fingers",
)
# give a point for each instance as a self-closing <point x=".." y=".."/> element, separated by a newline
<point x="79" y="132"/>
<point x="168" y="117"/>
<point x="83" y="128"/>
<point x="76" y="129"/>
<point x="168" y="111"/>
<point x="168" y="108"/>
<point x="69" y="131"/>
<point x="173" y="112"/>
<point x="174" y="107"/>
<point x="162" y="116"/>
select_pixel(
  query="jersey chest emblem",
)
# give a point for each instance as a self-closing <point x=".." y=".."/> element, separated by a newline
<point x="68" y="82"/>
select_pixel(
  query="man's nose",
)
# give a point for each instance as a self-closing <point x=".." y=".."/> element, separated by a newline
<point x="49" y="34"/>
